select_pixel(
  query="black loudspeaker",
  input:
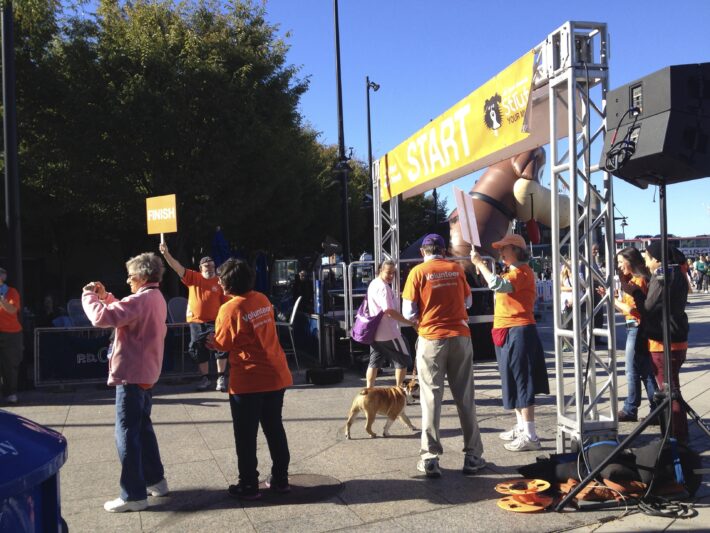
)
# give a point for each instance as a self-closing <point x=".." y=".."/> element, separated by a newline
<point x="658" y="127"/>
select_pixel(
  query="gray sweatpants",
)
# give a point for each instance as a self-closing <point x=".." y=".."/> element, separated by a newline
<point x="452" y="357"/>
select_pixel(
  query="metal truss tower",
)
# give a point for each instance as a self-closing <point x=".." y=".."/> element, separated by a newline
<point x="571" y="78"/>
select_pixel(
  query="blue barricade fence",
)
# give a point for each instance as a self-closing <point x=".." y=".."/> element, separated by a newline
<point x="79" y="355"/>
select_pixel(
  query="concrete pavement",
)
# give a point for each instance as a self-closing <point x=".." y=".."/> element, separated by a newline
<point x="369" y="484"/>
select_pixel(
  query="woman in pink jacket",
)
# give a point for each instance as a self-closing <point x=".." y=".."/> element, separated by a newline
<point x="135" y="360"/>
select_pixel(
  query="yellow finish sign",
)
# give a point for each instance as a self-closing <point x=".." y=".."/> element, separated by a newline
<point x="161" y="214"/>
<point x="488" y="120"/>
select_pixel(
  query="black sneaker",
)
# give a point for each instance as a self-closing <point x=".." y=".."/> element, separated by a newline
<point x="282" y="487"/>
<point x="626" y="417"/>
<point x="244" y="492"/>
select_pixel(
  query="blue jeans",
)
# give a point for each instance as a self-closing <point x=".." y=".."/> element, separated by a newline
<point x="248" y="410"/>
<point x="638" y="370"/>
<point x="136" y="442"/>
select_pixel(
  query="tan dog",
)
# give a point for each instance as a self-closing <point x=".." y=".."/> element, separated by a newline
<point x="389" y="401"/>
<point x="412" y="386"/>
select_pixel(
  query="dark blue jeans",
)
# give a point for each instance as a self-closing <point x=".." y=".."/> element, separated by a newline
<point x="248" y="410"/>
<point x="136" y="442"/>
<point x="638" y="370"/>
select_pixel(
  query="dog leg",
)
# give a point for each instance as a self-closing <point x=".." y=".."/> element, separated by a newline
<point x="351" y="418"/>
<point x="388" y="425"/>
<point x="405" y="419"/>
<point x="368" y="426"/>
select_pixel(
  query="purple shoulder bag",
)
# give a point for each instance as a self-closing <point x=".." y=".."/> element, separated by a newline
<point x="365" y="325"/>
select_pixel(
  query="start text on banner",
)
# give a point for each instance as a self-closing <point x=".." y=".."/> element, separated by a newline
<point x="488" y="120"/>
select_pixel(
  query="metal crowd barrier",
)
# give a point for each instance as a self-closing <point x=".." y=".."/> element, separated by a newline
<point x="79" y="355"/>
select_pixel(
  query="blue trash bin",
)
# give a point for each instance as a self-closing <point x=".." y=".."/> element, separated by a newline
<point x="30" y="458"/>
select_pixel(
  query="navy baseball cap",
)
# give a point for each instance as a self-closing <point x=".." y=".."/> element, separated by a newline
<point x="435" y="240"/>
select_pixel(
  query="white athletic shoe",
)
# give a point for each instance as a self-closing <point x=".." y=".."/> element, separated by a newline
<point x="221" y="385"/>
<point x="119" y="505"/>
<point x="510" y="434"/>
<point x="523" y="443"/>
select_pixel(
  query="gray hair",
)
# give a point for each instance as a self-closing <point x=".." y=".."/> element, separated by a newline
<point x="386" y="263"/>
<point x="148" y="266"/>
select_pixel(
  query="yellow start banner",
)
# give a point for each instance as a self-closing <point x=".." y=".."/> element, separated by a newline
<point x="488" y="120"/>
<point x="161" y="214"/>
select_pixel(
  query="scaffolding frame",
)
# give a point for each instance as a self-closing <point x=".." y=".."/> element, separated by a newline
<point x="575" y="63"/>
<point x="572" y="75"/>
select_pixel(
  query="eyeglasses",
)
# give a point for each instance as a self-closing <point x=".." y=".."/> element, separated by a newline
<point x="132" y="276"/>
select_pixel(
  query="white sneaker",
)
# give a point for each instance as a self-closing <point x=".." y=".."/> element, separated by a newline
<point x="203" y="383"/>
<point x="221" y="385"/>
<point x="12" y="398"/>
<point x="523" y="443"/>
<point x="430" y="467"/>
<point x="159" y="489"/>
<point x="119" y="505"/>
<point x="511" y="434"/>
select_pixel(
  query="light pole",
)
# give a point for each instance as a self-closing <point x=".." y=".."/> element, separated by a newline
<point x="375" y="87"/>
<point x="341" y="167"/>
<point x="12" y="180"/>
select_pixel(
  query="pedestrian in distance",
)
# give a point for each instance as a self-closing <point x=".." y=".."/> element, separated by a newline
<point x="521" y="359"/>
<point x="204" y="298"/>
<point x="436" y="295"/>
<point x="10" y="339"/>
<point x="389" y="343"/>
<point x="134" y="364"/>
<point x="701" y="268"/>
<point x="246" y="329"/>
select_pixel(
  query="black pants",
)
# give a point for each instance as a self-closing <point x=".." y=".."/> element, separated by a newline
<point x="248" y="410"/>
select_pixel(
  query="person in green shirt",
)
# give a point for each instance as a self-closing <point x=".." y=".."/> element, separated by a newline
<point x="701" y="267"/>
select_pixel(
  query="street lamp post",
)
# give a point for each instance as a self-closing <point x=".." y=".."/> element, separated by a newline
<point x="375" y="87"/>
<point x="342" y="167"/>
<point x="12" y="180"/>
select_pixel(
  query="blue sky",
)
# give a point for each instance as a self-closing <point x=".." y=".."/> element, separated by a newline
<point x="428" y="55"/>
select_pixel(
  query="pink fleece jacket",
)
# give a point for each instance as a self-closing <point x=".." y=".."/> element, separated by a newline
<point x="139" y="319"/>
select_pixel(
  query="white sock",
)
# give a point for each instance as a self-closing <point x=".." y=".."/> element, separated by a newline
<point x="519" y="416"/>
<point x="530" y="430"/>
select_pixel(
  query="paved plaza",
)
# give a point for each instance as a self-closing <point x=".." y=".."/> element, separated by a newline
<point x="363" y="484"/>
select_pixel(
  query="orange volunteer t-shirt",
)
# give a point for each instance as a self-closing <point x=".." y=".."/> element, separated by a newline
<point x="516" y="308"/>
<point x="438" y="287"/>
<point x="204" y="297"/>
<point x="245" y="327"/>
<point x="628" y="299"/>
<point x="9" y="323"/>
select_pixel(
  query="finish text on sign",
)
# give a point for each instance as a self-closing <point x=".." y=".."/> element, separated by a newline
<point x="161" y="214"/>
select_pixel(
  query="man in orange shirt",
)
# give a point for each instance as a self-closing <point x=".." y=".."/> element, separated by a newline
<point x="10" y="339"/>
<point x="437" y="295"/>
<point x="204" y="299"/>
